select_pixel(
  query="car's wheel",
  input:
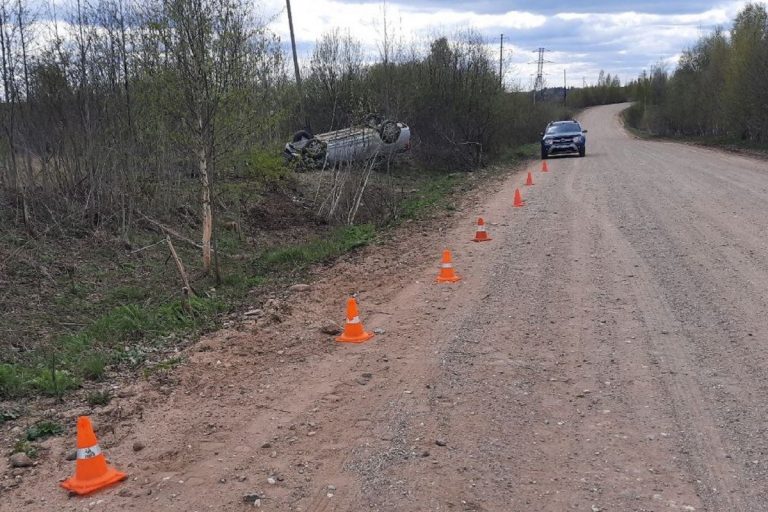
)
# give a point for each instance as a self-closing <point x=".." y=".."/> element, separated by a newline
<point x="315" y="149"/>
<point x="389" y="132"/>
<point x="582" y="151"/>
<point x="373" y="121"/>
<point x="544" y="155"/>
<point x="301" y="135"/>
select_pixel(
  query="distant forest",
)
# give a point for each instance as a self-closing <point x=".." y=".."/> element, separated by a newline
<point x="718" y="89"/>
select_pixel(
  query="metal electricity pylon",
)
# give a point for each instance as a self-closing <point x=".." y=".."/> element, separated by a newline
<point x="539" y="83"/>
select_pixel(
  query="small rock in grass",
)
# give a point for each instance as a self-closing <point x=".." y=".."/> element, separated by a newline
<point x="440" y="442"/>
<point x="300" y="288"/>
<point x="138" y="446"/>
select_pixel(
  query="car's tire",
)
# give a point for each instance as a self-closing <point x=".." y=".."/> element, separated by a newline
<point x="582" y="152"/>
<point x="315" y="149"/>
<point x="544" y="155"/>
<point x="389" y="132"/>
<point x="301" y="135"/>
<point x="373" y="121"/>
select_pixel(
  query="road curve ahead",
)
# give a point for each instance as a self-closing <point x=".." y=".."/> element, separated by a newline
<point x="629" y="299"/>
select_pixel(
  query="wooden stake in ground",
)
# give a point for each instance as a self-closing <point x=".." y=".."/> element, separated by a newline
<point x="180" y="266"/>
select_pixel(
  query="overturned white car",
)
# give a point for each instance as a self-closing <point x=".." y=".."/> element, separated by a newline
<point x="376" y="137"/>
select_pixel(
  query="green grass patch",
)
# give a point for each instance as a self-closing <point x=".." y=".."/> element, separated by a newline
<point x="114" y="338"/>
<point x="431" y="195"/>
<point x="93" y="367"/>
<point x="128" y="294"/>
<point x="337" y="242"/>
<point x="24" y="446"/>
<point x="54" y="382"/>
<point x="43" y="429"/>
<point x="514" y="154"/>
<point x="11" y="381"/>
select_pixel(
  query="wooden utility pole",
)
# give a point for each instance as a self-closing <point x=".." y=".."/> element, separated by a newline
<point x="501" y="61"/>
<point x="565" y="89"/>
<point x="296" y="68"/>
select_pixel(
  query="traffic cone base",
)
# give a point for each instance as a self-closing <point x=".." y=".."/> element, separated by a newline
<point x="81" y="488"/>
<point x="544" y="167"/>
<point x="529" y="181"/>
<point x="91" y="470"/>
<point x="518" y="203"/>
<point x="447" y="274"/>
<point x="481" y="235"/>
<point x="353" y="328"/>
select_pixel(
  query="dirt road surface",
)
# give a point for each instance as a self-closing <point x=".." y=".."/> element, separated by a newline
<point x="606" y="351"/>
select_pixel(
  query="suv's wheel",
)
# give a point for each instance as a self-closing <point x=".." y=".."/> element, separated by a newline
<point x="544" y="155"/>
<point x="389" y="132"/>
<point x="582" y="151"/>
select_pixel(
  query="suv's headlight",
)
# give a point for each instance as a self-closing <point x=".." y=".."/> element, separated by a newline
<point x="578" y="139"/>
<point x="547" y="142"/>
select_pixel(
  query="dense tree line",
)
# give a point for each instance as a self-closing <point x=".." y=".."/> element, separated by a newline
<point x="607" y="90"/>
<point x="121" y="103"/>
<point x="718" y="89"/>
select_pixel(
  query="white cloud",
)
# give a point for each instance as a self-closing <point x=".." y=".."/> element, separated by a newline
<point x="312" y="18"/>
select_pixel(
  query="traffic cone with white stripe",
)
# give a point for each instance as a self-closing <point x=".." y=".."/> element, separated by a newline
<point x="447" y="274"/>
<point x="481" y="235"/>
<point x="91" y="470"/>
<point x="353" y="329"/>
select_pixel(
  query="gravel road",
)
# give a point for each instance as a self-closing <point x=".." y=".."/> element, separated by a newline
<point x="605" y="351"/>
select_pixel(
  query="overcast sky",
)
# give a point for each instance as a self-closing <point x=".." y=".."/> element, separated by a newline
<point x="583" y="36"/>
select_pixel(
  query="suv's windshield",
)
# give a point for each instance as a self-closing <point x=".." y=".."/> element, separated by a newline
<point x="564" y="128"/>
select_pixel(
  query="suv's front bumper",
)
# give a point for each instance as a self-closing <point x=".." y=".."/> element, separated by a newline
<point x="559" y="148"/>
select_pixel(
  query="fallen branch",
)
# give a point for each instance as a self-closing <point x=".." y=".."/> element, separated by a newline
<point x="168" y="231"/>
<point x="187" y="290"/>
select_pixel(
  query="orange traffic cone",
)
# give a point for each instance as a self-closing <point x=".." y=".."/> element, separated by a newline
<point x="447" y="275"/>
<point x="353" y="329"/>
<point x="91" y="470"/>
<point x="544" y="167"/>
<point x="529" y="181"/>
<point x="481" y="235"/>
<point x="518" y="199"/>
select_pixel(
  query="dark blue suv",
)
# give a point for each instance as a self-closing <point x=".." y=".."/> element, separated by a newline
<point x="563" y="137"/>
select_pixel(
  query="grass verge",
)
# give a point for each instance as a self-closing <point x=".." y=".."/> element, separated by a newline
<point x="123" y="314"/>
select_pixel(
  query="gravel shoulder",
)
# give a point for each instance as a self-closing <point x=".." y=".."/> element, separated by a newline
<point x="603" y="352"/>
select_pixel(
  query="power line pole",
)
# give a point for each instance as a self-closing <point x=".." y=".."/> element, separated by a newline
<point x="565" y="89"/>
<point x="539" y="83"/>
<point x="501" y="61"/>
<point x="296" y="68"/>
